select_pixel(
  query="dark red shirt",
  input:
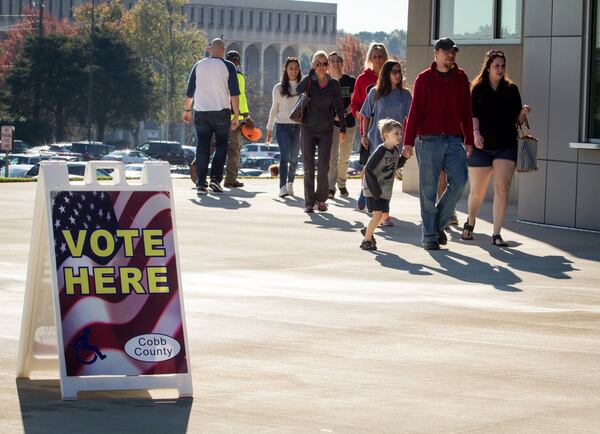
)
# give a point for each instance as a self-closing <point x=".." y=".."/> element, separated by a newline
<point x="440" y="106"/>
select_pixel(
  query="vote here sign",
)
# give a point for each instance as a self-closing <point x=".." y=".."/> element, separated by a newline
<point x="119" y="295"/>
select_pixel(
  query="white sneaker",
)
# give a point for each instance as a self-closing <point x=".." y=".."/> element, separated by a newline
<point x="283" y="192"/>
<point x="290" y="188"/>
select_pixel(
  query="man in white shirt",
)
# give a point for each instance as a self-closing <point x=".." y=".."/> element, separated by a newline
<point x="213" y="90"/>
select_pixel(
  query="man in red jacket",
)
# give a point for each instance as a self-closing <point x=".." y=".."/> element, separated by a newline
<point x="440" y="121"/>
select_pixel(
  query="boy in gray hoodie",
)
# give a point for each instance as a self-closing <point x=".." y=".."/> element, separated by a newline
<point x="379" y="177"/>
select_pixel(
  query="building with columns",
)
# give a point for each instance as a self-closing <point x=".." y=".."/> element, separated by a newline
<point x="266" y="32"/>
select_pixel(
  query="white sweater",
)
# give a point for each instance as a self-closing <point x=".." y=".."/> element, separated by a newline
<point x="282" y="106"/>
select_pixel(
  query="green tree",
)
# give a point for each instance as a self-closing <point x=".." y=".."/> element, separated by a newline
<point x="396" y="43"/>
<point x="122" y="84"/>
<point x="160" y="34"/>
<point x="58" y="62"/>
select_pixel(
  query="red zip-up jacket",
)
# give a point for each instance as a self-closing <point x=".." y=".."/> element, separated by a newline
<point x="440" y="106"/>
<point x="363" y="81"/>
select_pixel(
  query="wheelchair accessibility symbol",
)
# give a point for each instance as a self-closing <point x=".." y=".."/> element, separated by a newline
<point x="82" y="344"/>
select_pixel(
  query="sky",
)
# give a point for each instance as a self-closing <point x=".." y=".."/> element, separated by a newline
<point x="353" y="16"/>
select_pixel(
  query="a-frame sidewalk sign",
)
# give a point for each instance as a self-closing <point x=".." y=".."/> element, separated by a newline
<point x="103" y="299"/>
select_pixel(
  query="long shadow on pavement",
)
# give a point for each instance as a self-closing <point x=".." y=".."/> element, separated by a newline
<point x="452" y="264"/>
<point x="225" y="201"/>
<point x="327" y="220"/>
<point x="43" y="411"/>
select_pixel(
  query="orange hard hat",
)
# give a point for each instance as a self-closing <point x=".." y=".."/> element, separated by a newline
<point x="251" y="133"/>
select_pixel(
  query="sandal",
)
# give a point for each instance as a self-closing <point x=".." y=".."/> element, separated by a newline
<point x="363" y="231"/>
<point x="498" y="241"/>
<point x="469" y="230"/>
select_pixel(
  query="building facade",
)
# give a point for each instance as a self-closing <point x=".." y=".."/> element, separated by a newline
<point x="553" y="52"/>
<point x="265" y="32"/>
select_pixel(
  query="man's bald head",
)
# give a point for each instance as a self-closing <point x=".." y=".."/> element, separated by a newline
<point x="217" y="47"/>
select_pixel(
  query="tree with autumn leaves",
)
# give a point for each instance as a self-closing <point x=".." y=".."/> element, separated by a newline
<point x="129" y="47"/>
<point x="353" y="52"/>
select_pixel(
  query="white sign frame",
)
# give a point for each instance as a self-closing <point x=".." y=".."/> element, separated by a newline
<point x="37" y="310"/>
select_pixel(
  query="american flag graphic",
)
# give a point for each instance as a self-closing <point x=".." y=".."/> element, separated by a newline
<point x="109" y="321"/>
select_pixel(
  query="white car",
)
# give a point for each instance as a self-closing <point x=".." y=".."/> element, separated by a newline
<point x="134" y="170"/>
<point x="260" y="150"/>
<point x="127" y="156"/>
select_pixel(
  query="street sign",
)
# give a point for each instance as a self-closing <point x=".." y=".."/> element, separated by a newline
<point x="108" y="255"/>
<point x="7" y="138"/>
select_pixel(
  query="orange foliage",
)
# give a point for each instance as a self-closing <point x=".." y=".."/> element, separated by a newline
<point x="353" y="52"/>
<point x="11" y="47"/>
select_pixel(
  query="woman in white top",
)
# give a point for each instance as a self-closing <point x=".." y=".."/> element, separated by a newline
<point x="287" y="131"/>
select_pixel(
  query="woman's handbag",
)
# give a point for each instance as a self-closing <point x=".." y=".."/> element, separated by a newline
<point x="301" y="105"/>
<point x="527" y="150"/>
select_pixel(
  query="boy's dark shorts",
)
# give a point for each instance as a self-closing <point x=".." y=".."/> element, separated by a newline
<point x="485" y="158"/>
<point x="374" y="204"/>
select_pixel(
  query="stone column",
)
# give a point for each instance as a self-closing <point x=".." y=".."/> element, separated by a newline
<point x="261" y="66"/>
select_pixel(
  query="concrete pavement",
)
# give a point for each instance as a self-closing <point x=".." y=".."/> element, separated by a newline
<point x="293" y="328"/>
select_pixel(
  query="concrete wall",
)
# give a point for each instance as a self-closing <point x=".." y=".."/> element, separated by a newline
<point x="562" y="192"/>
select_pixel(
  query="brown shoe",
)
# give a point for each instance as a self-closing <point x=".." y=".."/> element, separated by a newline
<point x="322" y="206"/>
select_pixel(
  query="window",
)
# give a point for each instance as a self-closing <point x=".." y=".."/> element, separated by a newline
<point x="201" y="16"/>
<point x="316" y="24"/>
<point x="251" y="20"/>
<point x="297" y="22"/>
<point x="594" y="77"/>
<point x="211" y="17"/>
<point x="270" y="23"/>
<point x="231" y="20"/>
<point x="241" y="18"/>
<point x="333" y="24"/>
<point x="478" y="19"/>
<point x="288" y="22"/>
<point x="324" y="24"/>
<point x="278" y="20"/>
<point x="221" y="17"/>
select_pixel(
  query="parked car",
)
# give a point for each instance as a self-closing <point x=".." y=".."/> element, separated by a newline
<point x="164" y="150"/>
<point x="20" y="146"/>
<point x="17" y="170"/>
<point x="261" y="163"/>
<point x="127" y="156"/>
<point x="260" y="150"/>
<point x="91" y="150"/>
<point x="75" y="168"/>
<point x="24" y="159"/>
<point x="134" y="170"/>
<point x="189" y="153"/>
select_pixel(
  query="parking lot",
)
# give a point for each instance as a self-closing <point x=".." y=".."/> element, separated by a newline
<point x="293" y="328"/>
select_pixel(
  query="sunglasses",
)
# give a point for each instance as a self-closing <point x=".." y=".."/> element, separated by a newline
<point x="335" y="60"/>
<point x="322" y="64"/>
<point x="495" y="53"/>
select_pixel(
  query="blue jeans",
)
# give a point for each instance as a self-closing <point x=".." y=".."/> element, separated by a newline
<point x="288" y="138"/>
<point x="435" y="153"/>
<point x="207" y="123"/>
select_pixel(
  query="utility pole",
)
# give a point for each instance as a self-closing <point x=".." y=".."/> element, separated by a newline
<point x="37" y="86"/>
<point x="90" y="76"/>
